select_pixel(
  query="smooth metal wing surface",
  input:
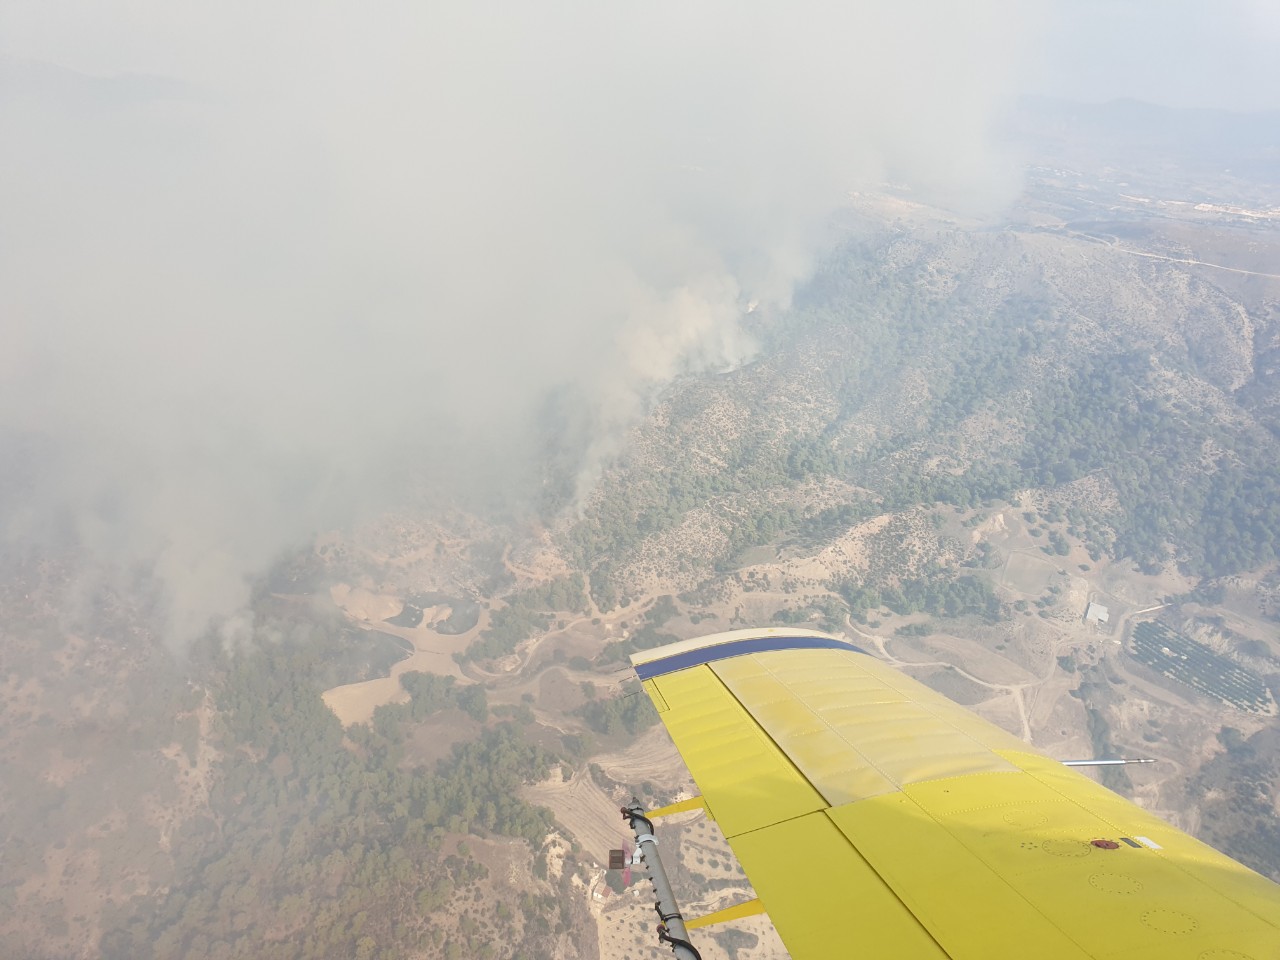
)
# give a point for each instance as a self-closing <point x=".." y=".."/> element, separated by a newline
<point x="876" y="818"/>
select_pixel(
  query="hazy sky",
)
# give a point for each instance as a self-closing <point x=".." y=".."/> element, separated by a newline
<point x="1173" y="52"/>
<point x="235" y="307"/>
<point x="1180" y="53"/>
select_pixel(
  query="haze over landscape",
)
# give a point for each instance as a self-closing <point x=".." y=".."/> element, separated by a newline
<point x="298" y="251"/>
<point x="373" y="383"/>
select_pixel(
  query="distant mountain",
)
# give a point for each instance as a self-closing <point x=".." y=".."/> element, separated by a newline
<point x="1133" y="125"/>
<point x="1191" y="154"/>
<point x="37" y="83"/>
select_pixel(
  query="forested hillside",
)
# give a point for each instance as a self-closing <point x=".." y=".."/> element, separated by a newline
<point x="316" y="846"/>
<point x="954" y="440"/>
<point x="937" y="365"/>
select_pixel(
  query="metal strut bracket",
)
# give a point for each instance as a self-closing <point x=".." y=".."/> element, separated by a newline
<point x="671" y="930"/>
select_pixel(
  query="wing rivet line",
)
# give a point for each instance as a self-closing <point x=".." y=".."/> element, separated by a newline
<point x="1170" y="921"/>
<point x="1117" y="883"/>
<point x="1060" y="847"/>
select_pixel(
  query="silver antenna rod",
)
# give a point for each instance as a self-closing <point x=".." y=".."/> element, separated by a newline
<point x="1106" y="763"/>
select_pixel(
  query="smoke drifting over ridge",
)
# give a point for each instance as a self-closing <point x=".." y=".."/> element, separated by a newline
<point x="332" y="249"/>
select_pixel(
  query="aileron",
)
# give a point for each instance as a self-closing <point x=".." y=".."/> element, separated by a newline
<point x="754" y="781"/>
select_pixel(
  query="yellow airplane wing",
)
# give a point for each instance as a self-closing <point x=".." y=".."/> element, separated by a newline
<point x="876" y="818"/>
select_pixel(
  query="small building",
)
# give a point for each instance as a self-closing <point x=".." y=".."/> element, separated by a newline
<point x="1096" y="613"/>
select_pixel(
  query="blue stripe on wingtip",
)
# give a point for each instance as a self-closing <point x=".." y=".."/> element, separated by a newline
<point x="738" y="648"/>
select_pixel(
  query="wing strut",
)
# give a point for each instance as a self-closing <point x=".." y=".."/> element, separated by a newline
<point x="671" y="930"/>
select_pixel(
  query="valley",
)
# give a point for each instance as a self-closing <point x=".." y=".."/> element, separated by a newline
<point x="1028" y="461"/>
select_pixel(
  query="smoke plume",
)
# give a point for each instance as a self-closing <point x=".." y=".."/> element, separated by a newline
<point x="261" y="263"/>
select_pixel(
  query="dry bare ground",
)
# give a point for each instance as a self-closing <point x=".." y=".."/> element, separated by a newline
<point x="652" y="757"/>
<point x="1028" y="692"/>
<point x="588" y="813"/>
<point x="432" y="653"/>
<point x="585" y="811"/>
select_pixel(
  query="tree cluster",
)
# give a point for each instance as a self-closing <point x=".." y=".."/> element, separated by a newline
<point x="527" y="613"/>
<point x="318" y="843"/>
<point x="631" y="713"/>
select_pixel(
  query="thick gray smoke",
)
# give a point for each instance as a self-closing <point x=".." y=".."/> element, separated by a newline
<point x="261" y="261"/>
